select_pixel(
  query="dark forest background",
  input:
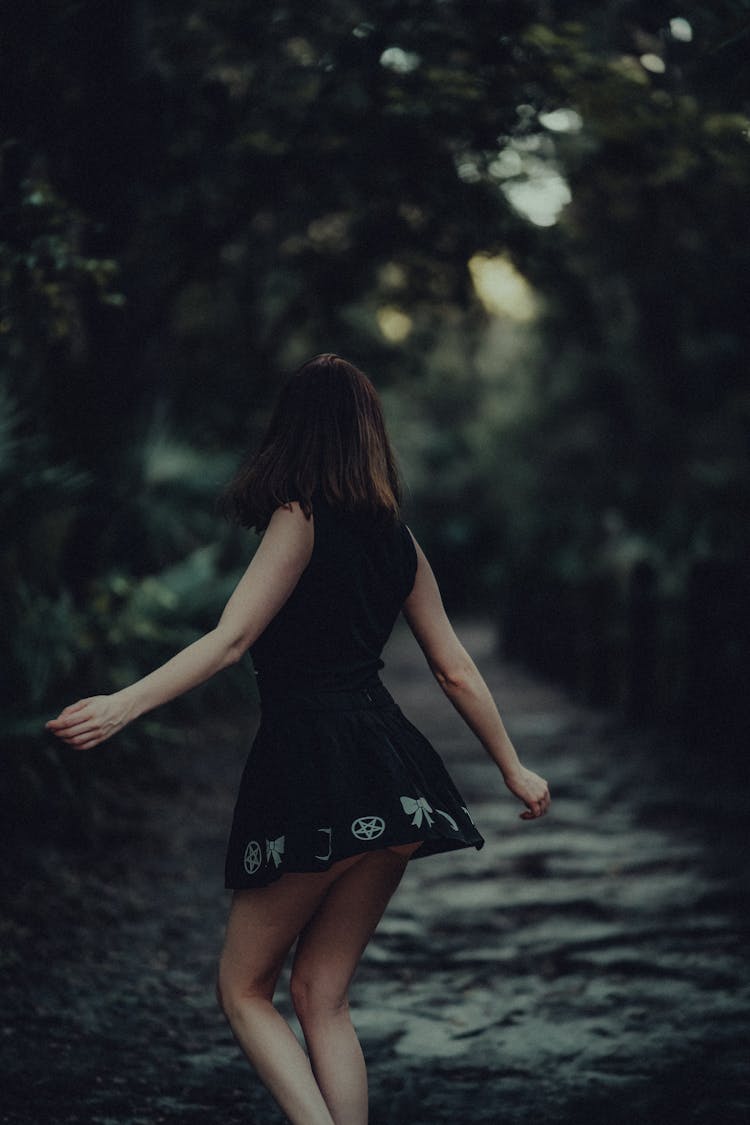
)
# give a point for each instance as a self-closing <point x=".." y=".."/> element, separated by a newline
<point x="526" y="220"/>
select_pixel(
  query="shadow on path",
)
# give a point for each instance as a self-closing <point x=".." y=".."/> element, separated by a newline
<point x="589" y="967"/>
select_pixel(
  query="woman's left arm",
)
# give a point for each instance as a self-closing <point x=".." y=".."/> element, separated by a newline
<point x="275" y="570"/>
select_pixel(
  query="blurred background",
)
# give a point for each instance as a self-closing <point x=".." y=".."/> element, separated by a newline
<point x="526" y="220"/>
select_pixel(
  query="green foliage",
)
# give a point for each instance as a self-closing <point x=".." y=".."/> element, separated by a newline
<point x="643" y="407"/>
<point x="99" y="547"/>
<point x="195" y="201"/>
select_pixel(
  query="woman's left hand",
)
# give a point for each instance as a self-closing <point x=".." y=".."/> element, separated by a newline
<point x="530" y="788"/>
<point x="90" y="721"/>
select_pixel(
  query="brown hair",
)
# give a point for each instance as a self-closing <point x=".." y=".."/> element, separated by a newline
<point x="326" y="436"/>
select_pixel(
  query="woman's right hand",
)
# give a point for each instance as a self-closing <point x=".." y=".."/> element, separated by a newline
<point x="90" y="721"/>
<point x="530" y="788"/>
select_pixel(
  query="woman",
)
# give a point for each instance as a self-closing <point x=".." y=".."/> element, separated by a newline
<point x="339" y="791"/>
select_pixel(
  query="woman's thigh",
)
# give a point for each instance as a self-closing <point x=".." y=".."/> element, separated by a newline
<point x="332" y="942"/>
<point x="264" y="923"/>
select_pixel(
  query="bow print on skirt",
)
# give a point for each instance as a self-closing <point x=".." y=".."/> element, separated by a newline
<point x="419" y="807"/>
<point x="275" y="850"/>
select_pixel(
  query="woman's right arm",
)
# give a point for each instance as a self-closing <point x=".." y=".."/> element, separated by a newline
<point x="274" y="571"/>
<point x="465" y="687"/>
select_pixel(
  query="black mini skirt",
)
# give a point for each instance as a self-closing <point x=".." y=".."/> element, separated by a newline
<point x="332" y="774"/>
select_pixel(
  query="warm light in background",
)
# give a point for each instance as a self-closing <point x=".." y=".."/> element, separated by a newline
<point x="501" y="288"/>
<point x="394" y="324"/>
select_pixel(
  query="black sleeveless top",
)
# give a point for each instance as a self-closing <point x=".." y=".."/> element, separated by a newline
<point x="330" y="633"/>
<point x="336" y="768"/>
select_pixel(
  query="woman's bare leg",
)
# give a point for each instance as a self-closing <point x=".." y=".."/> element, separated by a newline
<point x="263" y="925"/>
<point x="327" y="956"/>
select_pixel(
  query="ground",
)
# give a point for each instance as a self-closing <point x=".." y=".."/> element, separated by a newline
<point x="586" y="968"/>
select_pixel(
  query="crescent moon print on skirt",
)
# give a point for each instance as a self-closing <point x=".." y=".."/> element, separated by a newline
<point x="327" y="837"/>
<point x="450" y="819"/>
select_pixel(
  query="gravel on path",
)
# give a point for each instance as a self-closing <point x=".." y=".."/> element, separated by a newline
<point x="587" y="968"/>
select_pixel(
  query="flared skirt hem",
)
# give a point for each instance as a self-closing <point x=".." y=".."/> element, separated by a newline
<point x="323" y="785"/>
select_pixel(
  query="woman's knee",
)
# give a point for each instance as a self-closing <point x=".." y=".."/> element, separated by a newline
<point x="314" y="997"/>
<point x="228" y="994"/>
<point x="234" y="991"/>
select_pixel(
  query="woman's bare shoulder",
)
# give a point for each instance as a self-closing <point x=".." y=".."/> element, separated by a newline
<point x="291" y="529"/>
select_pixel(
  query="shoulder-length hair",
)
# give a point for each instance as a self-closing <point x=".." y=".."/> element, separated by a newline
<point x="326" y="437"/>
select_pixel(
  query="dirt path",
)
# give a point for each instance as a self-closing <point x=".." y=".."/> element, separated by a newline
<point x="586" y="968"/>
